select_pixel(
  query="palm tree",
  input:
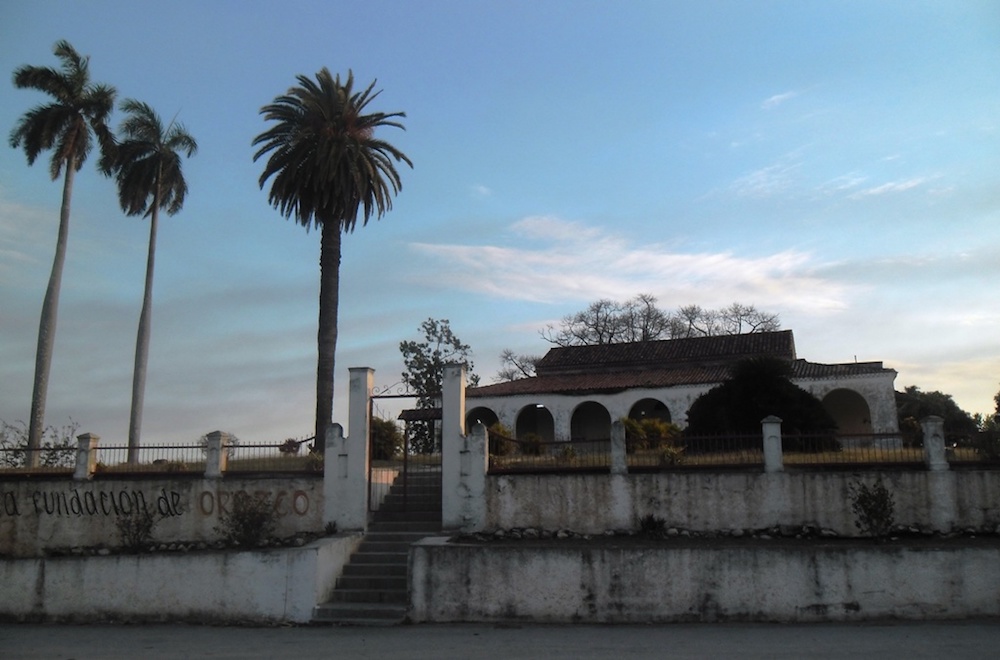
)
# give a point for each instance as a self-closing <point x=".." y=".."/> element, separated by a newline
<point x="327" y="168"/>
<point x="79" y="110"/>
<point x="146" y="165"/>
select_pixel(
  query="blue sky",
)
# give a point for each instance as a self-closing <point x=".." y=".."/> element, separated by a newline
<point x="837" y="163"/>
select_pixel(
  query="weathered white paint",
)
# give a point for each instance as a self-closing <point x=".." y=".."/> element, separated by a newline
<point x="279" y="585"/>
<point x="44" y="514"/>
<point x="707" y="501"/>
<point x="570" y="582"/>
<point x="876" y="390"/>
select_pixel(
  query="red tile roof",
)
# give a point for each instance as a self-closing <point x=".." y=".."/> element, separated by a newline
<point x="705" y="360"/>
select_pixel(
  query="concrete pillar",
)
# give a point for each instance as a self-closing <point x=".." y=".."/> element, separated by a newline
<point x="216" y="454"/>
<point x="619" y="464"/>
<point x="86" y="456"/>
<point x="345" y="464"/>
<point x="462" y="458"/>
<point x="773" y="460"/>
<point x="933" y="427"/>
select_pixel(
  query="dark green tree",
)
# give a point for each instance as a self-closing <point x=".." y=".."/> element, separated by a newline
<point x="757" y="388"/>
<point x="146" y="165"/>
<point x="327" y="168"/>
<point x="912" y="405"/>
<point x="78" y="112"/>
<point x="387" y="441"/>
<point x="424" y="361"/>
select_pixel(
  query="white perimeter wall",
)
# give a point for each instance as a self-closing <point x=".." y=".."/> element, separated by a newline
<point x="208" y="587"/>
<point x="712" y="501"/>
<point x="822" y="582"/>
<point x="38" y="515"/>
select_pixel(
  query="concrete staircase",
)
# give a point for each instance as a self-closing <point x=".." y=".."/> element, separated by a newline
<point x="373" y="588"/>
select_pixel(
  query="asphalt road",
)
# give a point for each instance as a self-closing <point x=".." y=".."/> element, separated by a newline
<point x="909" y="640"/>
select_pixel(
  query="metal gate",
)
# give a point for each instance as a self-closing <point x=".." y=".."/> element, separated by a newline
<point x="410" y="478"/>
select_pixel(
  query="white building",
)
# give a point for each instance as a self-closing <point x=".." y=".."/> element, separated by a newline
<point x="579" y="390"/>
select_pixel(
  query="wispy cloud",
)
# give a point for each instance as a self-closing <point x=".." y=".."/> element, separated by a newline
<point x="479" y="190"/>
<point x="572" y="261"/>
<point x="777" y="99"/>
<point x="766" y="181"/>
<point x="891" y="187"/>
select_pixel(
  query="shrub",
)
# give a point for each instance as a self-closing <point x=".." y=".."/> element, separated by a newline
<point x="135" y="529"/>
<point x="873" y="507"/>
<point x="314" y="462"/>
<point x="531" y="444"/>
<point x="57" y="447"/>
<point x="501" y="440"/>
<point x="671" y="456"/>
<point x="650" y="525"/>
<point x="249" y="521"/>
<point x="566" y="453"/>
<point x="648" y="433"/>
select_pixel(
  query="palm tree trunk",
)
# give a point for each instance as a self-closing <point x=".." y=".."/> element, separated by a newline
<point x="47" y="323"/>
<point x="142" y="341"/>
<point x="329" y="299"/>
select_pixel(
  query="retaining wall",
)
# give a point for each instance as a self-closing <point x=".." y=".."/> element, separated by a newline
<point x="40" y="515"/>
<point x="571" y="582"/>
<point x="711" y="501"/>
<point x="249" y="586"/>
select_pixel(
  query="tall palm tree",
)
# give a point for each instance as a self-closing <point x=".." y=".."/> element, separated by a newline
<point x="328" y="167"/>
<point x="79" y="110"/>
<point x="146" y="165"/>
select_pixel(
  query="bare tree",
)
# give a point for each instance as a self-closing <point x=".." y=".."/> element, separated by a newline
<point x="515" y="367"/>
<point x="639" y="319"/>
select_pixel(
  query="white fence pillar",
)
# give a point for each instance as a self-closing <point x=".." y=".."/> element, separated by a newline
<point x="216" y="454"/>
<point x="86" y="456"/>
<point x="619" y="464"/>
<point x="345" y="464"/>
<point x="773" y="459"/>
<point x="463" y="458"/>
<point x="934" y="455"/>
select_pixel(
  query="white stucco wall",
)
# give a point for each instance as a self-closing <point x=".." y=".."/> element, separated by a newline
<point x="208" y="587"/>
<point x="707" y="501"/>
<point x="37" y="515"/>
<point x="876" y="389"/>
<point x="572" y="582"/>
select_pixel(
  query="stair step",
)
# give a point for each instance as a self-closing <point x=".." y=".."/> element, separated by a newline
<point x="380" y="558"/>
<point x="410" y="516"/>
<point x="359" y="614"/>
<point x="374" y="570"/>
<point x="369" y="596"/>
<point x="372" y="582"/>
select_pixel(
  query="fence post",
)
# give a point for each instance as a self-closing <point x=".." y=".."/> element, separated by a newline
<point x="216" y="454"/>
<point x="773" y="459"/>
<point x="934" y="455"/>
<point x="619" y="464"/>
<point x="345" y="459"/>
<point x="86" y="456"/>
<point x="458" y="473"/>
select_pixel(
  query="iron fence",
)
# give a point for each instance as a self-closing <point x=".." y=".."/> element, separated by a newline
<point x="700" y="451"/>
<point x="113" y="459"/>
<point x="288" y="456"/>
<point x="533" y="455"/>
<point x="831" y="450"/>
<point x="59" y="459"/>
<point x="972" y="449"/>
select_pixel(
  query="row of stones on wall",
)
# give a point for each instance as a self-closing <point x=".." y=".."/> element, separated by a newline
<point x="296" y="540"/>
<point x="776" y="532"/>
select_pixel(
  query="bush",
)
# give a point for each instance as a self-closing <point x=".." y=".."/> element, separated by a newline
<point x="501" y="440"/>
<point x="873" y="507"/>
<point x="531" y="444"/>
<point x="650" y="525"/>
<point x="250" y="520"/>
<point x="135" y="529"/>
<point x="58" y="445"/>
<point x="649" y="433"/>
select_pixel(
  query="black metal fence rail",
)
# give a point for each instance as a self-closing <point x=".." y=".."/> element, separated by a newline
<point x="832" y="450"/>
<point x="701" y="451"/>
<point x="172" y="459"/>
<point x="533" y="455"/>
